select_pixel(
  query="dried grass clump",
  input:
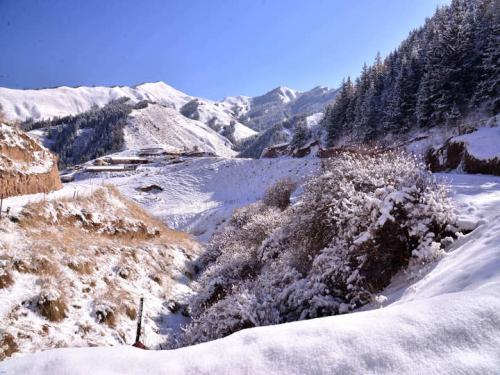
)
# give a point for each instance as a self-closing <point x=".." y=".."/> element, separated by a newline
<point x="81" y="265"/>
<point x="51" y="304"/>
<point x="130" y="311"/>
<point x="278" y="195"/>
<point x="8" y="345"/>
<point x="105" y="313"/>
<point x="43" y="265"/>
<point x="6" y="278"/>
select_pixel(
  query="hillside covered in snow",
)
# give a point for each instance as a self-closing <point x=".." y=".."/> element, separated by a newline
<point x="443" y="320"/>
<point x="74" y="264"/>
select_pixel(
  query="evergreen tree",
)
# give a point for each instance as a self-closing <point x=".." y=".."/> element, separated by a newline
<point x="300" y="134"/>
<point x="442" y="73"/>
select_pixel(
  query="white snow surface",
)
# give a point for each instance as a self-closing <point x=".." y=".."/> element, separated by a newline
<point x="445" y="322"/>
<point x="483" y="143"/>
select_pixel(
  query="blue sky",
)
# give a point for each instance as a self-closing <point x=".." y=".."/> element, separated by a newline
<point x="208" y="48"/>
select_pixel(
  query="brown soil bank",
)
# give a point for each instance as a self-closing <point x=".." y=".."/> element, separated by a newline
<point x="454" y="155"/>
<point x="25" y="166"/>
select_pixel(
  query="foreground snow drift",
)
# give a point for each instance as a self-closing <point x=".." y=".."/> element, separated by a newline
<point x="440" y="335"/>
<point x="447" y="322"/>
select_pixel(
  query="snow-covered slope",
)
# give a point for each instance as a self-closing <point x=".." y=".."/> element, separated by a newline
<point x="74" y="264"/>
<point x="446" y="322"/>
<point x="200" y="193"/>
<point x="159" y="125"/>
<point x="477" y="151"/>
<point x="19" y="105"/>
<point x="483" y="144"/>
<point x="218" y="117"/>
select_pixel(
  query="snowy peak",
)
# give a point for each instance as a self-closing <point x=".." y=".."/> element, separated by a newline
<point x="279" y="95"/>
<point x="163" y="93"/>
<point x="281" y="103"/>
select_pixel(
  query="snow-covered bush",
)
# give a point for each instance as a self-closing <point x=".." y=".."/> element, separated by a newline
<point x="232" y="254"/>
<point x="278" y="195"/>
<point x="359" y="221"/>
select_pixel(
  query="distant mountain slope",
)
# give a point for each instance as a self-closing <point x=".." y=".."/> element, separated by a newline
<point x="258" y="113"/>
<point x="262" y="112"/>
<point x="299" y="130"/>
<point x="159" y="125"/>
<point x="19" y="105"/>
<point x="218" y="117"/>
<point x="124" y="126"/>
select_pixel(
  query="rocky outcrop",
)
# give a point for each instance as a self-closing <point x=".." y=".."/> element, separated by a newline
<point x="456" y="154"/>
<point x="26" y="167"/>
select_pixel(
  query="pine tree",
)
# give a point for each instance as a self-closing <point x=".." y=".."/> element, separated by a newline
<point x="446" y="70"/>
<point x="300" y="134"/>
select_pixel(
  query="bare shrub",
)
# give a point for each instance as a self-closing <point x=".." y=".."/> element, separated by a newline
<point x="363" y="218"/>
<point x="278" y="195"/>
<point x="130" y="311"/>
<point x="3" y="119"/>
<point x="81" y="265"/>
<point x="6" y="279"/>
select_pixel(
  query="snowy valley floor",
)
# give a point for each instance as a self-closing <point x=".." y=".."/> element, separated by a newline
<point x="200" y="193"/>
<point x="446" y="321"/>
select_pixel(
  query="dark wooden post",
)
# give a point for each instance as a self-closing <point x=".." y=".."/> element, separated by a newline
<point x="138" y="343"/>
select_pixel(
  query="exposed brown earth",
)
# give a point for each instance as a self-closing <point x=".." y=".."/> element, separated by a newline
<point x="25" y="166"/>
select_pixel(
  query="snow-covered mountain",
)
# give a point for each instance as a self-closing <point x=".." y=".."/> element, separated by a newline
<point x="159" y="125"/>
<point x="262" y="112"/>
<point x="19" y="105"/>
<point x="258" y="112"/>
